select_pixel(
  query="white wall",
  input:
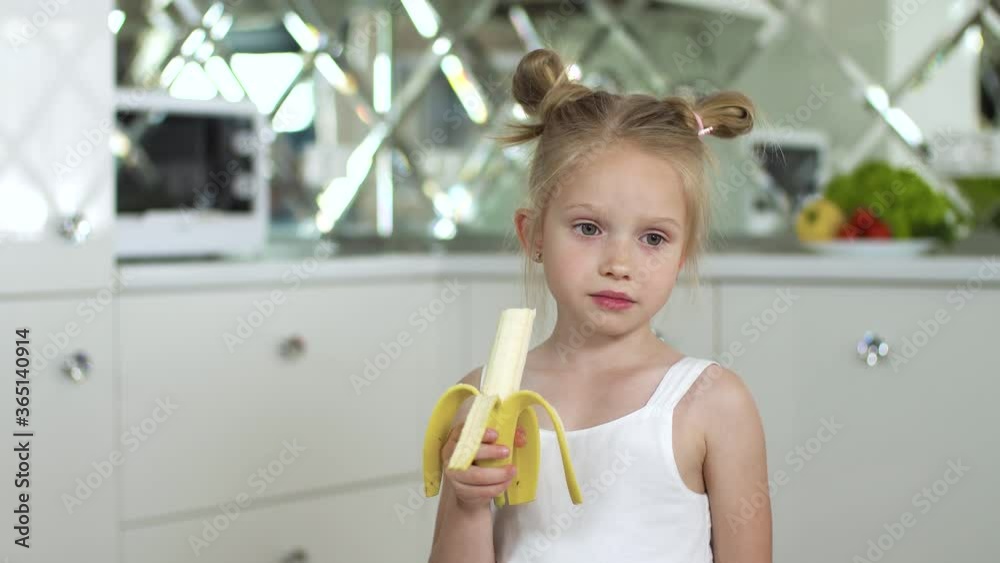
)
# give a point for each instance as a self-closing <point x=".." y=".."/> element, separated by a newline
<point x="947" y="103"/>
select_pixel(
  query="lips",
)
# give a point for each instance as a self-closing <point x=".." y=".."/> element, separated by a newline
<point x="614" y="295"/>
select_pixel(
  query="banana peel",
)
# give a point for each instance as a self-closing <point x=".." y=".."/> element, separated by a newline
<point x="502" y="405"/>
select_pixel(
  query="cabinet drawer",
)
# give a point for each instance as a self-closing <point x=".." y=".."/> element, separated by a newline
<point x="354" y="402"/>
<point x="853" y="449"/>
<point x="72" y="465"/>
<point x="386" y="524"/>
<point x="480" y="314"/>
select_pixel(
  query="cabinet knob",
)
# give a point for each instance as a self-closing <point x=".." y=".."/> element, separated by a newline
<point x="75" y="228"/>
<point x="293" y="347"/>
<point x="77" y="366"/>
<point x="871" y="348"/>
<point x="298" y="555"/>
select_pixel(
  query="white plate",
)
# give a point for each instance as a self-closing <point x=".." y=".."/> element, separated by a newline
<point x="877" y="248"/>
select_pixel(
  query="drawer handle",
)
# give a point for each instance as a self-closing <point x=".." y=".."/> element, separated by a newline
<point x="77" y="366"/>
<point x="298" y="555"/>
<point x="871" y="348"/>
<point x="293" y="347"/>
<point x="75" y="228"/>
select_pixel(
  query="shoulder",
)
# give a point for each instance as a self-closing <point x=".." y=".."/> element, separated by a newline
<point x="722" y="399"/>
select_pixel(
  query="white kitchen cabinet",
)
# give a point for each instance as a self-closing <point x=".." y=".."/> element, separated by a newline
<point x="867" y="461"/>
<point x="56" y="179"/>
<point x="483" y="301"/>
<point x="686" y="322"/>
<point x="386" y="524"/>
<point x="356" y="398"/>
<point x="73" y="464"/>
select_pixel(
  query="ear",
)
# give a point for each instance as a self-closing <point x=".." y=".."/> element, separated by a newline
<point x="524" y="222"/>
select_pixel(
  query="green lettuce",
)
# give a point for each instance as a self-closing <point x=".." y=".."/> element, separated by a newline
<point x="899" y="197"/>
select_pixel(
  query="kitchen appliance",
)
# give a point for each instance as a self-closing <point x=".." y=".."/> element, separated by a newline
<point x="191" y="176"/>
<point x="794" y="166"/>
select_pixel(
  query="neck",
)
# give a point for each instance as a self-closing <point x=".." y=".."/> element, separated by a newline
<point x="579" y="344"/>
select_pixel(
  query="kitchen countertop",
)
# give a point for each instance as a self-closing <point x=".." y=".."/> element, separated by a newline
<point x="312" y="262"/>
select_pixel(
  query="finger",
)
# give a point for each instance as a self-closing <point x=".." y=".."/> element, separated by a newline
<point x="482" y="493"/>
<point x="468" y="451"/>
<point x="449" y="444"/>
<point x="448" y="448"/>
<point x="482" y="476"/>
<point x="495" y="490"/>
<point x="520" y="438"/>
<point x="492" y="451"/>
<point x="490" y="436"/>
<point x="455" y="432"/>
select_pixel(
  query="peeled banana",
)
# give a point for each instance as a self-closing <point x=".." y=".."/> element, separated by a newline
<point x="501" y="405"/>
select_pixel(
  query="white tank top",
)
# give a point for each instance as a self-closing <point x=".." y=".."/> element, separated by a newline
<point x="635" y="506"/>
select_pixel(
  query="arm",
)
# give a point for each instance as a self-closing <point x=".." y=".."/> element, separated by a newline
<point x="735" y="473"/>
<point x="462" y="534"/>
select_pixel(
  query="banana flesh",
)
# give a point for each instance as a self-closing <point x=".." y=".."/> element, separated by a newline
<point x="502" y="405"/>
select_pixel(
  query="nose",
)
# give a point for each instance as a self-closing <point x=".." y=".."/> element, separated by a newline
<point x="616" y="262"/>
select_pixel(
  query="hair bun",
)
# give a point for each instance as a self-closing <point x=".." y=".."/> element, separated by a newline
<point x="537" y="74"/>
<point x="729" y="114"/>
<point x="541" y="84"/>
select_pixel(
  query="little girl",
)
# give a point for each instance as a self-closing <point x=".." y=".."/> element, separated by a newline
<point x="668" y="448"/>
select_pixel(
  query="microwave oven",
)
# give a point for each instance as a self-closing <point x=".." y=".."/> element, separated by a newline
<point x="191" y="176"/>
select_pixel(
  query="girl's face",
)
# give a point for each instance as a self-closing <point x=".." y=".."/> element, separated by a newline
<point x="618" y="224"/>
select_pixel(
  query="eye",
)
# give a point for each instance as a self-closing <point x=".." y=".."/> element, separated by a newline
<point x="655" y="239"/>
<point x="593" y="228"/>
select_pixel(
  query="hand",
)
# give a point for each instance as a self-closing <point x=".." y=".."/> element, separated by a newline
<point x="476" y="486"/>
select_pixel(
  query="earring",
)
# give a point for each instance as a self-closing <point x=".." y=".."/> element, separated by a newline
<point x="538" y="256"/>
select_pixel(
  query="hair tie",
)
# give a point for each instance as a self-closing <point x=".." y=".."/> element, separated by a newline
<point x="702" y="130"/>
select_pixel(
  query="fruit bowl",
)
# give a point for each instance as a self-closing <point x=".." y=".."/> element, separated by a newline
<point x="873" y="248"/>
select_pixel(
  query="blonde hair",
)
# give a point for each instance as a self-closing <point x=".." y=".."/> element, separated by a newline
<point x="574" y="123"/>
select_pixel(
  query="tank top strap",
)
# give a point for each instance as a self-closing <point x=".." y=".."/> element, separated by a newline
<point x="676" y="382"/>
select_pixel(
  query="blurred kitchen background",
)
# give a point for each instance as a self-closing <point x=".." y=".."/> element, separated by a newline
<point x="377" y="119"/>
<point x="246" y="244"/>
